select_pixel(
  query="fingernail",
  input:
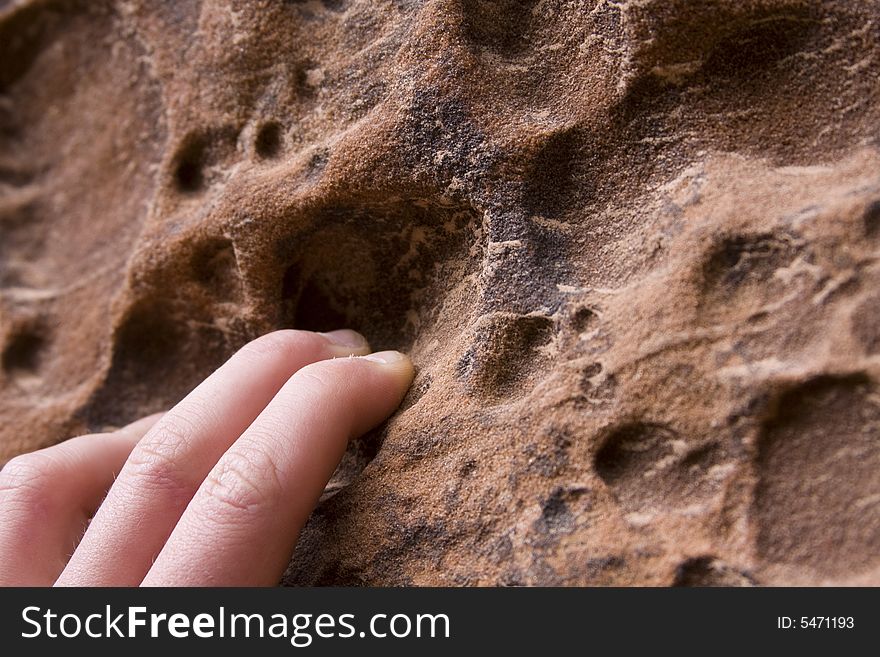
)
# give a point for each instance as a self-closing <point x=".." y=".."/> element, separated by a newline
<point x="345" y="338"/>
<point x="385" y="357"/>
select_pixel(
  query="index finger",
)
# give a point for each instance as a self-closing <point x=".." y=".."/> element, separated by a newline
<point x="243" y="522"/>
<point x="168" y="465"/>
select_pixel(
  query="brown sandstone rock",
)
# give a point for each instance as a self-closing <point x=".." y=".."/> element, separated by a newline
<point x="631" y="245"/>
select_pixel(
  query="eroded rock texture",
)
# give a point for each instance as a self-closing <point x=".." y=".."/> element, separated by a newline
<point x="632" y="246"/>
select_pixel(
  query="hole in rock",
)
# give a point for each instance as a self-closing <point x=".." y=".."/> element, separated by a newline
<point x="158" y="357"/>
<point x="25" y="33"/>
<point x="640" y="464"/>
<point x="384" y="269"/>
<point x="505" y="359"/>
<point x="739" y="259"/>
<point x="216" y="268"/>
<point x="759" y="43"/>
<point x="743" y="59"/>
<point x="389" y="270"/>
<point x="872" y="219"/>
<point x="502" y="26"/>
<point x="308" y="77"/>
<point x="189" y="174"/>
<point x="738" y="276"/>
<point x="24" y="351"/>
<point x="583" y="319"/>
<point x="317" y="308"/>
<point x="815" y="503"/>
<point x="866" y="324"/>
<point x="633" y="447"/>
<point x="556" y="179"/>
<point x="270" y="139"/>
<point x="23" y="235"/>
<point x="708" y="571"/>
<point x="201" y="154"/>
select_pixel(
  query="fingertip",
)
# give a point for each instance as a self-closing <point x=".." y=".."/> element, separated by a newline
<point x="395" y="363"/>
<point x="392" y="359"/>
<point x="346" y="342"/>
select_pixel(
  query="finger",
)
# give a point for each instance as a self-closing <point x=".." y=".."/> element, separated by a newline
<point x="168" y="465"/>
<point x="242" y="524"/>
<point x="48" y="496"/>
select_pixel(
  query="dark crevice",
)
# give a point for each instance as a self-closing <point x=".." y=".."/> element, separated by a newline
<point x="24" y="351"/>
<point x="269" y="140"/>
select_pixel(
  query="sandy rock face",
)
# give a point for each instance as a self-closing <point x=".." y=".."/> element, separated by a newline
<point x="631" y="245"/>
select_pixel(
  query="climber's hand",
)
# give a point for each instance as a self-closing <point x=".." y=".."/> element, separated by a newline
<point x="213" y="492"/>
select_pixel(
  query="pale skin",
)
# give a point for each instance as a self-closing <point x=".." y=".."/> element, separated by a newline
<point x="213" y="492"/>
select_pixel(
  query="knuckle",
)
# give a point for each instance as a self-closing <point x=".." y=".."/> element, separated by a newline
<point x="244" y="480"/>
<point x="25" y="467"/>
<point x="27" y="480"/>
<point x="156" y="461"/>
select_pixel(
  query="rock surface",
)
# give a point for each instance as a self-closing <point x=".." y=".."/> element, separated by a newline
<point x="631" y="245"/>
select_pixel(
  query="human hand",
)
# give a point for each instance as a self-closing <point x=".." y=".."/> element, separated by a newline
<point x="212" y="493"/>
